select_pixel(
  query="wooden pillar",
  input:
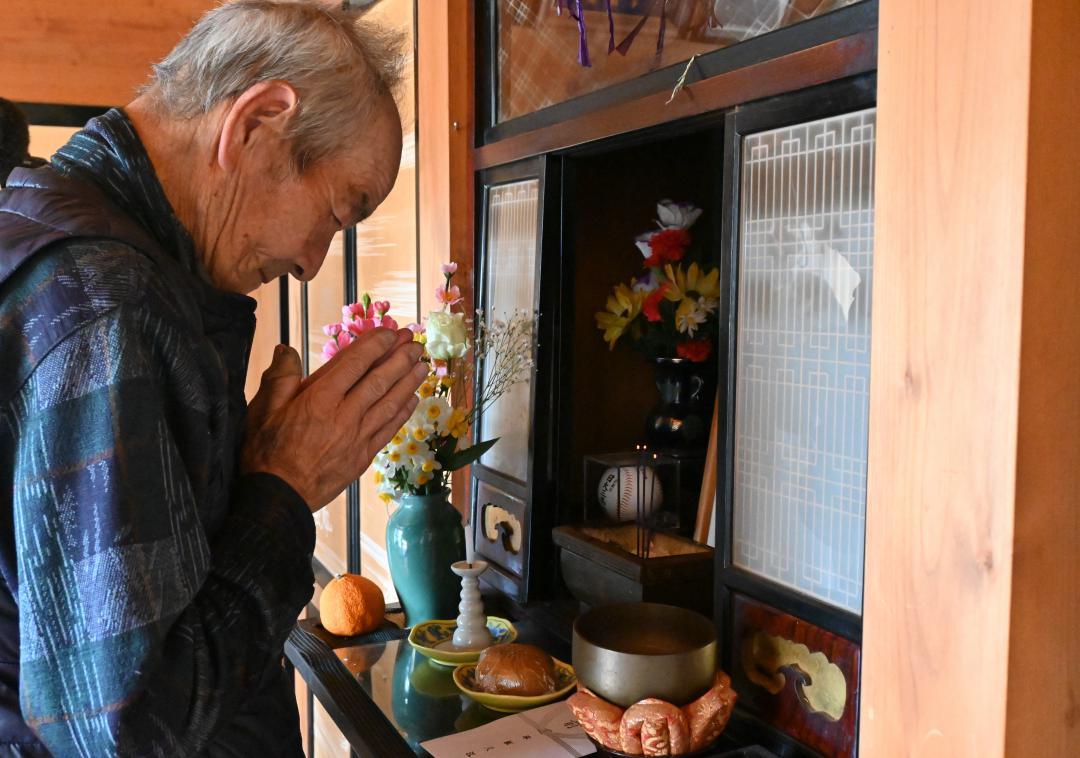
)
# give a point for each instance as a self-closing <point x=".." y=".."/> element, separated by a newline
<point x="1043" y="701"/>
<point x="87" y="52"/>
<point x="972" y="510"/>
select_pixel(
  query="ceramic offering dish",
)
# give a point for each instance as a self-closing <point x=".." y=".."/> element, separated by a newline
<point x="435" y="640"/>
<point x="465" y="679"/>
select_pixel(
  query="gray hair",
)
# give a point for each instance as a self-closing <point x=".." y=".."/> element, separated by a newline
<point x="339" y="66"/>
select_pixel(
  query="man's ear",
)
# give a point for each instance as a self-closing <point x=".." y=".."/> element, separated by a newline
<point x="263" y="109"/>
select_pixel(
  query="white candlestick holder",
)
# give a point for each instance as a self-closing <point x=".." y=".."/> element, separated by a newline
<point x="471" y="632"/>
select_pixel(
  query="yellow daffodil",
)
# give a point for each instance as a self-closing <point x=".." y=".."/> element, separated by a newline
<point x="457" y="424"/>
<point x="623" y="306"/>
<point x="420" y="433"/>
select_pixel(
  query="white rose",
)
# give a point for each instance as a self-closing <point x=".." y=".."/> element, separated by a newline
<point x="446" y="335"/>
<point x="677" y="215"/>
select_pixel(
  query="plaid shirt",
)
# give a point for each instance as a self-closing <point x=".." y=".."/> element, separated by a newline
<point x="151" y="585"/>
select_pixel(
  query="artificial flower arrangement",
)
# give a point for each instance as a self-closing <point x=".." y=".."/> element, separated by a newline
<point x="670" y="310"/>
<point x="421" y="456"/>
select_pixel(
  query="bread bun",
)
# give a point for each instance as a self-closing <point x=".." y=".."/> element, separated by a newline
<point x="515" y="670"/>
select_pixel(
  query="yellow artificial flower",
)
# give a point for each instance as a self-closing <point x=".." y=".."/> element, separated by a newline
<point x="692" y="283"/>
<point x="422" y="479"/>
<point x="378" y="478"/>
<point x="623" y="306"/>
<point x="428" y="466"/>
<point x="386" y="497"/>
<point x="398" y="438"/>
<point x="420" y="434"/>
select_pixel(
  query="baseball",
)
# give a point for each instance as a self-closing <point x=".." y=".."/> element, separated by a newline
<point x="620" y="496"/>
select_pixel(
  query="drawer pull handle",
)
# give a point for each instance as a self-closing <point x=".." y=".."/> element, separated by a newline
<point x="500" y="525"/>
<point x="819" y="684"/>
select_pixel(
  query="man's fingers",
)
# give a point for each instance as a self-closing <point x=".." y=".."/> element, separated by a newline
<point x="382" y="437"/>
<point x="383" y="378"/>
<point x="353" y="361"/>
<point x="376" y="415"/>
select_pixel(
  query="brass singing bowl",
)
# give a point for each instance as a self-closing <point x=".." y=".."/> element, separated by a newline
<point x="630" y="651"/>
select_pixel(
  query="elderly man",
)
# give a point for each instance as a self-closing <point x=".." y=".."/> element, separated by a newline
<point x="154" y="546"/>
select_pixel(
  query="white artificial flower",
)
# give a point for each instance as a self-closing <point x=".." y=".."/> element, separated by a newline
<point x="672" y="215"/>
<point x="647" y="282"/>
<point x="643" y="244"/>
<point x="446" y="335"/>
<point x="690" y="315"/>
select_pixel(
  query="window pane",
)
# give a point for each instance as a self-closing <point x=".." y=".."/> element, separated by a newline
<point x="538" y="49"/>
<point x="803" y="355"/>
<point x="326" y="295"/>
<point x="386" y="265"/>
<point x="510" y="286"/>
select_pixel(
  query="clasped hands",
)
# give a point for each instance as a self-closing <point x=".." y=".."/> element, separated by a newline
<point x="320" y="433"/>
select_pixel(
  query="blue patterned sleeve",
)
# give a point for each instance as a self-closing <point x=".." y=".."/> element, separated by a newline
<point x="140" y="632"/>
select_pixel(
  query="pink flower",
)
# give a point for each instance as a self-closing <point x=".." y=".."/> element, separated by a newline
<point x="332" y="330"/>
<point x="329" y="350"/>
<point x="449" y="269"/>
<point x="451" y="296"/>
<point x="388" y="323"/>
<point x="416" y="328"/>
<point x="359" y="326"/>
<point x="352" y="310"/>
<point x="344" y="339"/>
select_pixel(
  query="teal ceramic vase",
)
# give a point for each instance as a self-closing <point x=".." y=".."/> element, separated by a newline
<point x="423" y="537"/>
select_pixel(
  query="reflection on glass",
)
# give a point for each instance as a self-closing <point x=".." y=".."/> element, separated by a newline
<point x="803" y="355"/>
<point x="510" y="279"/>
<point x="538" y="49"/>
<point x="418" y="697"/>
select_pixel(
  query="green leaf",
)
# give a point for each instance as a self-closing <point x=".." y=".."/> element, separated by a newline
<point x="462" y="458"/>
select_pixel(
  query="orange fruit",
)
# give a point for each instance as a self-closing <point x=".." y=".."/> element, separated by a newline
<point x="351" y="604"/>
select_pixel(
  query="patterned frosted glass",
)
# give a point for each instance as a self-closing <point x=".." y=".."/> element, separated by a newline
<point x="510" y="286"/>
<point x="803" y="355"/>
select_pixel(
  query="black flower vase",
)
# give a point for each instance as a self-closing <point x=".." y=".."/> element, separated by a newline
<point x="680" y="422"/>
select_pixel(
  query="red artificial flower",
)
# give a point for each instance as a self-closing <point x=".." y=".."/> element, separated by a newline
<point x="651" y="306"/>
<point x="696" y="350"/>
<point x="667" y="246"/>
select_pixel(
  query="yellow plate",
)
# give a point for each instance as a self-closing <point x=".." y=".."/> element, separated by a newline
<point x="427" y="636"/>
<point x="565" y="681"/>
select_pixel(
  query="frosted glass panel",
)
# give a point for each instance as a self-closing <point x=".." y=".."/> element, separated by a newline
<point x="803" y="355"/>
<point x="510" y="286"/>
